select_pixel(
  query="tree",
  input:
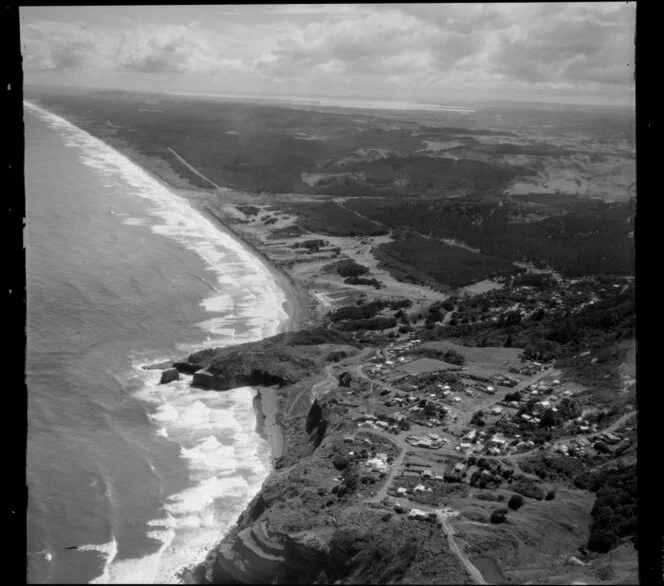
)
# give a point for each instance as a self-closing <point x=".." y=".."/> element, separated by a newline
<point x="340" y="462"/>
<point x="499" y="516"/>
<point x="602" y="541"/>
<point x="549" y="418"/>
<point x="550" y="495"/>
<point x="515" y="502"/>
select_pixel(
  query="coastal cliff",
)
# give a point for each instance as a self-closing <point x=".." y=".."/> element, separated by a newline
<point x="313" y="520"/>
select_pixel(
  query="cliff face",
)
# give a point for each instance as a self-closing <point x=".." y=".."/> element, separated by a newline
<point x="280" y="360"/>
<point x="303" y="528"/>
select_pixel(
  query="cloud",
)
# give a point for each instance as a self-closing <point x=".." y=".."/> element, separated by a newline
<point x="417" y="48"/>
<point x="57" y="47"/>
<point x="167" y="49"/>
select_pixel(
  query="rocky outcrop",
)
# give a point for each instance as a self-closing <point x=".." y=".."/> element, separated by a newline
<point x="281" y="360"/>
<point x="187" y="367"/>
<point x="225" y="382"/>
<point x="169" y="375"/>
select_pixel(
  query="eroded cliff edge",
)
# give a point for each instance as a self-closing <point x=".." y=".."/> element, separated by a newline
<point x="319" y="517"/>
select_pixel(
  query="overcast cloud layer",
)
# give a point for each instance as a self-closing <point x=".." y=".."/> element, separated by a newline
<point x="429" y="52"/>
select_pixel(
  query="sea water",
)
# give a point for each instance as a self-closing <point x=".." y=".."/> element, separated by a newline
<point x="129" y="480"/>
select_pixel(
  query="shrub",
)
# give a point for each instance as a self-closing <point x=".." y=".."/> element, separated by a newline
<point x="499" y="516"/>
<point x="550" y="495"/>
<point x="602" y="541"/>
<point x="515" y="502"/>
<point x="340" y="462"/>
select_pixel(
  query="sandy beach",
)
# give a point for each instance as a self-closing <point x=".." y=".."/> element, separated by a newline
<point x="297" y="303"/>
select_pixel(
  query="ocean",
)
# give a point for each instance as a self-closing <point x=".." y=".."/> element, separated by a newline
<point x="129" y="480"/>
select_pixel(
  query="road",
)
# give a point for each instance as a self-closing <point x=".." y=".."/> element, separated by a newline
<point x="396" y="468"/>
<point x="443" y="515"/>
<point x="194" y="170"/>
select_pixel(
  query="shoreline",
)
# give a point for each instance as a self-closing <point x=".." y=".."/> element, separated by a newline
<point x="297" y="303"/>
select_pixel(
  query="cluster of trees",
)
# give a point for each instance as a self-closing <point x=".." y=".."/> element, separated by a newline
<point x="453" y="357"/>
<point x="313" y="245"/>
<point x="478" y="418"/>
<point x="423" y="260"/>
<point x="614" y="514"/>
<point x="527" y="487"/>
<point x="346" y="268"/>
<point x="374" y="323"/>
<point x="248" y="210"/>
<point x="539" y="280"/>
<point x="587" y="238"/>
<point x="364" y="315"/>
<point x="498" y="473"/>
<point x="363" y="281"/>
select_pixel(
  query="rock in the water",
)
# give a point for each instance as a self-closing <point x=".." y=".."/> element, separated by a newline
<point x="169" y="375"/>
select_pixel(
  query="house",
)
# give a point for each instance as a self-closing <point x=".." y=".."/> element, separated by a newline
<point x="470" y="436"/>
<point x="402" y="490"/>
<point x="417" y="514"/>
<point x="494" y="451"/>
<point x="497" y="410"/>
<point x="526" y="417"/>
<point x="465" y="446"/>
<point x="457" y="399"/>
<point x="459" y="467"/>
<point x="427" y="474"/>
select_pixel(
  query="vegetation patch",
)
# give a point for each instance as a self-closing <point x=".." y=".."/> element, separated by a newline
<point x="423" y="260"/>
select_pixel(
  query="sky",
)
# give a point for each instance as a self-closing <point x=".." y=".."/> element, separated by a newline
<point x="430" y="53"/>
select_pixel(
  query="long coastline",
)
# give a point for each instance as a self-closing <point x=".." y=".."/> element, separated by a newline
<point x="297" y="303"/>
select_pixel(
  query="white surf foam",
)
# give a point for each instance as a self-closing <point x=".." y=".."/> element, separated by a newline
<point x="226" y="459"/>
<point x="238" y="273"/>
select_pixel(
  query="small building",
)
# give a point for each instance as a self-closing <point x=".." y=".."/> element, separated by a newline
<point x="402" y="490"/>
<point x="459" y="467"/>
<point x="417" y="514"/>
<point x="427" y="474"/>
<point x="465" y="446"/>
<point x="526" y="417"/>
